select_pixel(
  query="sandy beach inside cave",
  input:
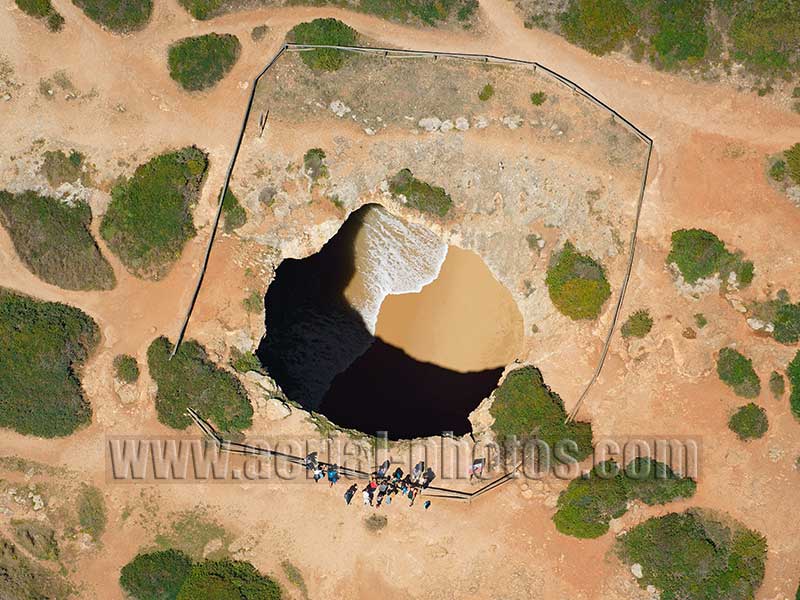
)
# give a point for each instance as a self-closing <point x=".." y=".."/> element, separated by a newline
<point x="464" y="320"/>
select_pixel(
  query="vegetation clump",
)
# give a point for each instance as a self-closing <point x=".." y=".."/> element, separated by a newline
<point x="25" y="580"/>
<point x="37" y="538"/>
<point x="42" y="9"/>
<point x="524" y="408"/>
<point x="577" y="284"/>
<point x="698" y="254"/>
<point x="120" y="16"/>
<point x="792" y="156"/>
<point x="155" y="575"/>
<point x="201" y="9"/>
<point x="587" y="506"/>
<point x="126" y="368"/>
<point x="54" y="241"/>
<point x="486" y="92"/>
<point x="700" y="320"/>
<point x="43" y="346"/>
<point x="244" y="362"/>
<point x="749" y="422"/>
<point x="599" y="26"/>
<point x="198" y="63"/>
<point x="59" y="168"/>
<point x="232" y="211"/>
<point x="737" y="372"/>
<point x="793" y="373"/>
<point x="324" y="32"/>
<point x="149" y="218"/>
<point x="696" y="555"/>
<point x="638" y="324"/>
<point x="92" y="511"/>
<point x="191" y="379"/>
<point x="420" y="194"/>
<point x="376" y="522"/>
<point x="538" y="98"/>
<point x="777" y="385"/>
<point x="314" y="163"/>
<point x="777" y="170"/>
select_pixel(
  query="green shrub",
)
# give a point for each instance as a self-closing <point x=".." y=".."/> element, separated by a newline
<point x="525" y="408"/>
<point x="54" y="241"/>
<point x="228" y="580"/>
<point x="681" y="33"/>
<point x="777" y="385"/>
<point x="37" y="538"/>
<point x="749" y="422"/>
<point x="324" y="32"/>
<point x="232" y="211"/>
<point x="587" y="506"/>
<point x="314" y="163"/>
<point x="764" y="35"/>
<point x="42" y="9"/>
<point x="577" y="284"/>
<point x="778" y="170"/>
<point x="700" y="320"/>
<point x="201" y="9"/>
<point x="638" y="324"/>
<point x="198" y="63"/>
<point x="92" y="511"/>
<point x="259" y="32"/>
<point x="538" y="98"/>
<point x="43" y="346"/>
<point x="155" y="575"/>
<point x="189" y="379"/>
<point x="737" y="372"/>
<point x="787" y="324"/>
<point x="419" y="194"/>
<point x="126" y="368"/>
<point x="486" y="93"/>
<point x="59" y="168"/>
<point x="244" y="362"/>
<point x="792" y="156"/>
<point x="699" y="254"/>
<point x="793" y="373"/>
<point x="696" y="555"/>
<point x="149" y="218"/>
<point x="253" y="302"/>
<point x="598" y="25"/>
<point x="120" y="16"/>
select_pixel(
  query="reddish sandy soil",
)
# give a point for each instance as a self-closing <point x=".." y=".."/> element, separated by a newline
<point x="708" y="171"/>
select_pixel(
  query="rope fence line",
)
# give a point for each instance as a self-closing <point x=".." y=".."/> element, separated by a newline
<point x="486" y="58"/>
<point x="249" y="450"/>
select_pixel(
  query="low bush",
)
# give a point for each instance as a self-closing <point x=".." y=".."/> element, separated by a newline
<point x="777" y="170"/>
<point x="699" y="254"/>
<point x="59" y="168"/>
<point x="524" y="408"/>
<point x="486" y="93"/>
<point x="324" y="32"/>
<point x="587" y="506"/>
<point x="198" y="63"/>
<point x="680" y="32"/>
<point x="700" y="320"/>
<point x="259" y="32"/>
<point x="696" y="555"/>
<point x="764" y="35"/>
<point x="54" y="241"/>
<point x="24" y="580"/>
<point x="253" y="302"/>
<point x="37" y="538"/>
<point x="189" y="379"/>
<point x="777" y="385"/>
<point x="749" y="422"/>
<point x="787" y="324"/>
<point x="599" y="26"/>
<point x="577" y="284"/>
<point x="792" y="156"/>
<point x="126" y="368"/>
<point x="314" y="164"/>
<point x="228" y="580"/>
<point x="149" y="218"/>
<point x="120" y="16"/>
<point x="42" y="9"/>
<point x="201" y="9"/>
<point x="43" y="346"/>
<point x="155" y="575"/>
<point x="737" y="372"/>
<point x="793" y="373"/>
<point x="233" y="213"/>
<point x="538" y="98"/>
<point x="638" y="324"/>
<point x="375" y="522"/>
<point x="420" y="194"/>
<point x="92" y="511"/>
<point x="244" y="362"/>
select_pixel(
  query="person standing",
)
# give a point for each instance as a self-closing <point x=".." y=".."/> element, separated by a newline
<point x="351" y="491"/>
<point x="333" y="474"/>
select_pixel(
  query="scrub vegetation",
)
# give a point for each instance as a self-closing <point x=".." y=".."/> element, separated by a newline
<point x="244" y="362"/>
<point x="638" y="324"/>
<point x="777" y="385"/>
<point x="314" y="164"/>
<point x="24" y="579"/>
<point x="43" y="346"/>
<point x="736" y="370"/>
<point x="120" y="16"/>
<point x="699" y="254"/>
<point x="538" y="98"/>
<point x="793" y="373"/>
<point x="149" y="218"/>
<point x="42" y="9"/>
<point x="587" y="506"/>
<point x="126" y="369"/>
<point x="170" y="574"/>
<point x="198" y="63"/>
<point x="749" y="422"/>
<point x="783" y="314"/>
<point x="234" y="215"/>
<point x="37" y="538"/>
<point x="92" y="511"/>
<point x="696" y="554"/>
<point x="325" y="32"/>
<point x="54" y="241"/>
<point x="486" y="93"/>
<point x="792" y="156"/>
<point x="524" y="408"/>
<point x="420" y="194"/>
<point x="577" y="284"/>
<point x="191" y="379"/>
<point x="59" y="167"/>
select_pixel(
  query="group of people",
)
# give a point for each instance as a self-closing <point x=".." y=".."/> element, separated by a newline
<point x="383" y="486"/>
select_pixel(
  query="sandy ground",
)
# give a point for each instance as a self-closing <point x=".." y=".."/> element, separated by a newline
<point x="464" y="320"/>
<point x="708" y="171"/>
